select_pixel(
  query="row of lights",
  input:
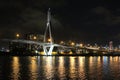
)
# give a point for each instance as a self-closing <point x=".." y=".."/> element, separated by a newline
<point x="49" y="40"/>
<point x="18" y="36"/>
<point x="71" y="43"/>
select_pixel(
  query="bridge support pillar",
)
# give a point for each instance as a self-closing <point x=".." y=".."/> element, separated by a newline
<point x="48" y="49"/>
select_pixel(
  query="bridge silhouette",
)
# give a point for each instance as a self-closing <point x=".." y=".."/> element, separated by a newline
<point x="47" y="46"/>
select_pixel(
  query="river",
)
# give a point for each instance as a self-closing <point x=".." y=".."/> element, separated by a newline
<point x="59" y="68"/>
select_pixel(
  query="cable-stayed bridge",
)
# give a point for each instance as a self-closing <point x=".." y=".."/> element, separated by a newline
<point x="47" y="47"/>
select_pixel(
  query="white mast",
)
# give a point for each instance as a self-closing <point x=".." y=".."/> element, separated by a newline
<point x="48" y="28"/>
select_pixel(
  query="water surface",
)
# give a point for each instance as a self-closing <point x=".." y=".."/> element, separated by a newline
<point x="59" y="68"/>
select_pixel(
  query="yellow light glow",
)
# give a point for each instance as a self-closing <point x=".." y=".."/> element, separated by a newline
<point x="17" y="35"/>
<point x="54" y="53"/>
<point x="72" y="43"/>
<point x="61" y="42"/>
<point x="61" y="67"/>
<point x="15" y="68"/>
<point x="34" y="37"/>
<point x="42" y="53"/>
<point x="49" y="40"/>
<point x="62" y="52"/>
<point x="70" y="52"/>
<point x="81" y="45"/>
<point x="72" y="67"/>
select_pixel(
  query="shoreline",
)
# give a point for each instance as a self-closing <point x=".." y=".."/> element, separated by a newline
<point x="34" y="54"/>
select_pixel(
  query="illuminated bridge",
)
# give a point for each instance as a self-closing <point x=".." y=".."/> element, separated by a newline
<point x="47" y="47"/>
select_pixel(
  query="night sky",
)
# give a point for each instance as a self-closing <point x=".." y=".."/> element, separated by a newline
<point x="90" y="21"/>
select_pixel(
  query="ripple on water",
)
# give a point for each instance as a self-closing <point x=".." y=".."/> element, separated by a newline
<point x="59" y="68"/>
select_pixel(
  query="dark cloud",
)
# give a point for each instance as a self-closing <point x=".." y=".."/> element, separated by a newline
<point x="30" y="21"/>
<point x="101" y="10"/>
<point x="107" y="16"/>
<point x="71" y="19"/>
<point x="27" y="15"/>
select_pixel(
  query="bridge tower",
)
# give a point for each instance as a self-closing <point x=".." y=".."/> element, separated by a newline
<point x="48" y="28"/>
<point x="48" y="48"/>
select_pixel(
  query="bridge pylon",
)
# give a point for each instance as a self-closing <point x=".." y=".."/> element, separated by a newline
<point x="48" y="48"/>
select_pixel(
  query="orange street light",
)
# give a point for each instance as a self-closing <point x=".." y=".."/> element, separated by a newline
<point x="72" y="43"/>
<point x="81" y="45"/>
<point x="49" y="40"/>
<point x="61" y="42"/>
<point x="17" y="35"/>
<point x="34" y="37"/>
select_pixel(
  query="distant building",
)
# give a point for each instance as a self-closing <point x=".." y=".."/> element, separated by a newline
<point x="35" y="37"/>
<point x="110" y="45"/>
<point x="16" y="47"/>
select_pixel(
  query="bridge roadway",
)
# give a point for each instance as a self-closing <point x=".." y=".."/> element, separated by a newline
<point x="43" y="44"/>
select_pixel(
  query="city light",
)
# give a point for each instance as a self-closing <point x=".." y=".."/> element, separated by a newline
<point x="81" y="45"/>
<point x="61" y="42"/>
<point x="72" y="43"/>
<point x="34" y="37"/>
<point x="49" y="40"/>
<point x="17" y="35"/>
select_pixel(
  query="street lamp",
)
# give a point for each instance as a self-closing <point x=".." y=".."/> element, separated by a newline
<point x="34" y="37"/>
<point x="17" y="35"/>
<point x="49" y="40"/>
<point x="81" y="45"/>
<point x="72" y="44"/>
<point x="61" y="42"/>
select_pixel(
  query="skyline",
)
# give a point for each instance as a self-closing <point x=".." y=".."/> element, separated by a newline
<point x="85" y="21"/>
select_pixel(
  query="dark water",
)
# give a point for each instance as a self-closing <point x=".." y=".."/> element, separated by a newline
<point x="59" y="68"/>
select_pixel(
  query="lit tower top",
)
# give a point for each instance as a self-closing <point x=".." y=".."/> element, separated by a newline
<point x="48" y="28"/>
<point x="48" y="17"/>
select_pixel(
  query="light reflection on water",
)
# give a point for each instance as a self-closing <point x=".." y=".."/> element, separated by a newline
<point x="81" y="67"/>
<point x="33" y="68"/>
<point x="59" y="68"/>
<point x="15" y="68"/>
<point x="49" y="67"/>
<point x="72" y="67"/>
